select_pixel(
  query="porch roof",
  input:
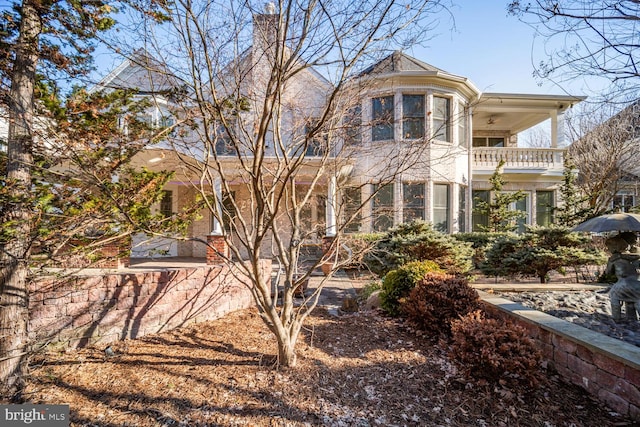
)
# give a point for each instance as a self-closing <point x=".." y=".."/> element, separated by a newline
<point x="517" y="112"/>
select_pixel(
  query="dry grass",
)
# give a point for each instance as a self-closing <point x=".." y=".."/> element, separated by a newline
<point x="354" y="370"/>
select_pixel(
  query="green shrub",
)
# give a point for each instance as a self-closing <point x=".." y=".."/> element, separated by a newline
<point x="480" y="243"/>
<point x="418" y="241"/>
<point x="539" y="251"/>
<point x="397" y="284"/>
<point x="495" y="351"/>
<point x="437" y="300"/>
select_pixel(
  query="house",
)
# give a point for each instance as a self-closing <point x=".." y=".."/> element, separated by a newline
<point x="422" y="142"/>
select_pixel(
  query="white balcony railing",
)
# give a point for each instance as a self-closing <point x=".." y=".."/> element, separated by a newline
<point x="518" y="158"/>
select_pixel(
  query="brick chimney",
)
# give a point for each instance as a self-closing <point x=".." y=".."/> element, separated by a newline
<point x="265" y="29"/>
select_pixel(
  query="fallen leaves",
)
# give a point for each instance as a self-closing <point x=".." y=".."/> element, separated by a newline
<point x="360" y="369"/>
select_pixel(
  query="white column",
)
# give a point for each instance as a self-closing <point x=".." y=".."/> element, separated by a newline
<point x="217" y="226"/>
<point x="554" y="128"/>
<point x="469" y="205"/>
<point x="331" y="208"/>
<point x="398" y="201"/>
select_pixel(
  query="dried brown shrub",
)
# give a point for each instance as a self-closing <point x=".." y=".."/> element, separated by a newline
<point x="437" y="300"/>
<point x="494" y="351"/>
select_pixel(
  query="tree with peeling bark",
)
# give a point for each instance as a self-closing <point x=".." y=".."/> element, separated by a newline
<point x="65" y="172"/>
<point x="273" y="96"/>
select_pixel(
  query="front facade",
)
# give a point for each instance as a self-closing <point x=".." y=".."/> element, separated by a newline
<point x="448" y="136"/>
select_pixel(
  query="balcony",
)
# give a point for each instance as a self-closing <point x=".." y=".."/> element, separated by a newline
<point x="546" y="161"/>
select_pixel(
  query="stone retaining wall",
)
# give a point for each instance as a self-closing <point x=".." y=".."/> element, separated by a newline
<point x="98" y="309"/>
<point x="607" y="368"/>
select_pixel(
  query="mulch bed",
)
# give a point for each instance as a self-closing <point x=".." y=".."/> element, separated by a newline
<point x="360" y="369"/>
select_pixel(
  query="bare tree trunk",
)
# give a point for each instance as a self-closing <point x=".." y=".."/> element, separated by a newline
<point x="14" y="298"/>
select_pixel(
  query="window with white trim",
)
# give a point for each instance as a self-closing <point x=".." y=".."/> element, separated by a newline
<point x="441" y="118"/>
<point x="441" y="207"/>
<point x="382" y="207"/>
<point x="382" y="116"/>
<point x="412" y="201"/>
<point x="413" y="114"/>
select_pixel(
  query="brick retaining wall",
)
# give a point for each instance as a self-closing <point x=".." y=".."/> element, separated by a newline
<point x="98" y="309"/>
<point x="607" y="368"/>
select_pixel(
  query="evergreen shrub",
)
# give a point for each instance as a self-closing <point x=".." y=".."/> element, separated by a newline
<point x="398" y="283"/>
<point x="480" y="243"/>
<point x="416" y="241"/>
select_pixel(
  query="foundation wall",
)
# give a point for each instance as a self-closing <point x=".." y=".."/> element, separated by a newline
<point x="89" y="310"/>
<point x="607" y="368"/>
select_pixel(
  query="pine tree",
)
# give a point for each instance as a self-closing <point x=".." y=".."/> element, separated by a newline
<point x="41" y="41"/>
<point x="575" y="207"/>
<point x="498" y="209"/>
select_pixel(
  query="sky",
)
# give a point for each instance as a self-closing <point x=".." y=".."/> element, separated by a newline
<point x="494" y="50"/>
<point x="479" y="41"/>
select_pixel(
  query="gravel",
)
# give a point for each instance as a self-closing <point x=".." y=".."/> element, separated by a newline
<point x="588" y="308"/>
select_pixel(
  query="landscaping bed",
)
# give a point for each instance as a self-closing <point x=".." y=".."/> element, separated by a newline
<point x="362" y="369"/>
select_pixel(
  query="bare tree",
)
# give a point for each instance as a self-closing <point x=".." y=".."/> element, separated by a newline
<point x="537" y="137"/>
<point x="585" y="38"/>
<point x="605" y="152"/>
<point x="272" y="97"/>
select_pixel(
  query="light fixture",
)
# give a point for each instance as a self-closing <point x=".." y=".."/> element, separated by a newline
<point x="157" y="159"/>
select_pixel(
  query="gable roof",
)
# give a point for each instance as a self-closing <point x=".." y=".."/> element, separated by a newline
<point x="400" y="65"/>
<point x="140" y="72"/>
<point x="398" y="62"/>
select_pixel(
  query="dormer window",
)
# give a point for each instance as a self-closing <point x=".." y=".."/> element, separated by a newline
<point x="382" y="118"/>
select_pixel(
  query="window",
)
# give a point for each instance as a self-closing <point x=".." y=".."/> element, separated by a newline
<point x="622" y="202"/>
<point x="383" y="202"/>
<point x="224" y="145"/>
<point x="413" y="116"/>
<point x="166" y="203"/>
<point x="352" y="203"/>
<point x="168" y="122"/>
<point x="480" y="220"/>
<point x="312" y="216"/>
<point x="412" y="201"/>
<point x="462" y="208"/>
<point x="462" y="126"/>
<point x="441" y="118"/>
<point x="544" y="208"/>
<point x="483" y="141"/>
<point x="228" y="212"/>
<point x="441" y="207"/>
<point x="382" y="118"/>
<point x="521" y="205"/>
<point x="317" y="142"/>
<point x="353" y="126"/>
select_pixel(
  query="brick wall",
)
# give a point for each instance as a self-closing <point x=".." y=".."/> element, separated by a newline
<point x="89" y="310"/>
<point x="607" y="368"/>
